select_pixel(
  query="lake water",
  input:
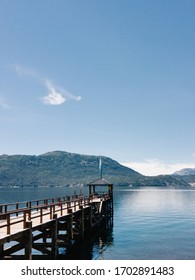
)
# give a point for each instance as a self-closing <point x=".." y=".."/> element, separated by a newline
<point x="149" y="223"/>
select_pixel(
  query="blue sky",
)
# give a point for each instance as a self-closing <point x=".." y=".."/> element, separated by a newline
<point x="100" y="77"/>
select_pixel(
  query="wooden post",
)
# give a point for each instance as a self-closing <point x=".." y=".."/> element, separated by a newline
<point x="28" y="241"/>
<point x="24" y="218"/>
<point x="89" y="189"/>
<point x="70" y="225"/>
<point x="51" y="212"/>
<point x="1" y="251"/>
<point x="68" y="202"/>
<point x="29" y="214"/>
<point x="78" y="202"/>
<point x="81" y="192"/>
<point x="41" y="215"/>
<point x="82" y="222"/>
<point x="54" y="235"/>
<point x="17" y="209"/>
<point x="8" y="224"/>
<point x="90" y="217"/>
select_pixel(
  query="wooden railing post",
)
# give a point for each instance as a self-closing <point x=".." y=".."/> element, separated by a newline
<point x="68" y="202"/>
<point x="8" y="224"/>
<point x="51" y="212"/>
<point x="41" y="215"/>
<point x="75" y="193"/>
<point x="24" y="218"/>
<point x="29" y="214"/>
<point x="46" y="203"/>
<point x="17" y="207"/>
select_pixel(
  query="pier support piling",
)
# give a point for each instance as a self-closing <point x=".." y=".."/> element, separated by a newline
<point x="28" y="240"/>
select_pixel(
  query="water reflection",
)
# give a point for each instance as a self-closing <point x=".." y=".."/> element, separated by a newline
<point x="93" y="247"/>
<point x="154" y="224"/>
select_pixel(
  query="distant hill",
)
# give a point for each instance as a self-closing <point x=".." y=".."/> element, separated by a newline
<point x="185" y="171"/>
<point x="187" y="174"/>
<point x="161" y="181"/>
<point x="61" y="168"/>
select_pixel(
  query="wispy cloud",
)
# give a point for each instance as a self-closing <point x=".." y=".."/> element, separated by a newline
<point x="3" y="104"/>
<point x="153" y="167"/>
<point x="55" y="95"/>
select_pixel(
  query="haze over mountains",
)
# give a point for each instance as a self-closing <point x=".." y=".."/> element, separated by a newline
<point x="61" y="168"/>
<point x="185" y="171"/>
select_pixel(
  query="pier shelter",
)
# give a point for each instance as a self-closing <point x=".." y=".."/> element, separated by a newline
<point x="100" y="183"/>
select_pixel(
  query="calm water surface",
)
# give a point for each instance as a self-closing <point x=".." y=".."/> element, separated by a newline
<point x="149" y="223"/>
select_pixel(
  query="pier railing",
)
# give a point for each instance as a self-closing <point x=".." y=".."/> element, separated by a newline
<point x="23" y="212"/>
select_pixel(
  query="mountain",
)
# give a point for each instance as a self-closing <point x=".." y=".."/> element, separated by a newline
<point x="185" y="171"/>
<point x="187" y="174"/>
<point x="161" y="181"/>
<point x="61" y="168"/>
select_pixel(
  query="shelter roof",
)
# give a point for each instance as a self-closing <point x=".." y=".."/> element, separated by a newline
<point x="99" y="182"/>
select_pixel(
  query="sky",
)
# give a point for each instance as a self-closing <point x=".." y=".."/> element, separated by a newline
<point x="100" y="77"/>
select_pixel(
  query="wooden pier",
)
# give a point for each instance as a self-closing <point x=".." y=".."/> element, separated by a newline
<point x="37" y="229"/>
